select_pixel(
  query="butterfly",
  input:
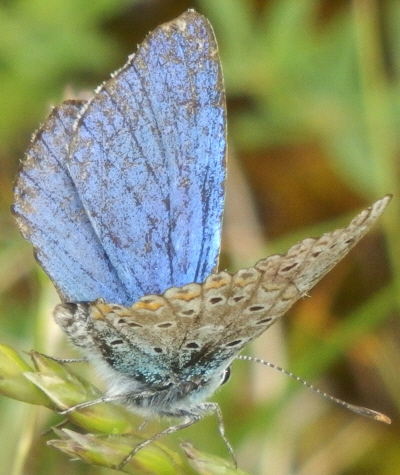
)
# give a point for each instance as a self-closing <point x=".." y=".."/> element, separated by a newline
<point x="122" y="197"/>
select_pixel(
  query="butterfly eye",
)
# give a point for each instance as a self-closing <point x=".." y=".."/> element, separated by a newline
<point x="227" y="374"/>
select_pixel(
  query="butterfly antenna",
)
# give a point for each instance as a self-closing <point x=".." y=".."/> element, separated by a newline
<point x="363" y="411"/>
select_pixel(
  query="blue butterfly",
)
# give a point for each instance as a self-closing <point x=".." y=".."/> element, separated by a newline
<point x="122" y="197"/>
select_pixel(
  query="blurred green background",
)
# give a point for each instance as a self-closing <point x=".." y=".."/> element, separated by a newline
<point x="313" y="90"/>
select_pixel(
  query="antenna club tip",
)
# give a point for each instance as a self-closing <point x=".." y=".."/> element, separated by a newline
<point x="383" y="418"/>
<point x="377" y="416"/>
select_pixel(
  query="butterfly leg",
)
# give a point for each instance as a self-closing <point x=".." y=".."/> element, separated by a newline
<point x="143" y="424"/>
<point x="61" y="360"/>
<point x="213" y="407"/>
<point x="190" y="418"/>
<point x="117" y="398"/>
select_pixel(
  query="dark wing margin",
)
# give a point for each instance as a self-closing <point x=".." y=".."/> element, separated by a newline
<point x="50" y="214"/>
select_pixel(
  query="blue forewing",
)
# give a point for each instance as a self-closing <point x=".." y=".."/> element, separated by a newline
<point x="123" y="196"/>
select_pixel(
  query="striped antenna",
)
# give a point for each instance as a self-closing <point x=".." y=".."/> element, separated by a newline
<point x="363" y="411"/>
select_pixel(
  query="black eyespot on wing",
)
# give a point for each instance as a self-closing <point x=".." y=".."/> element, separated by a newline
<point x="164" y="325"/>
<point x="188" y="312"/>
<point x="288" y="268"/>
<point x="264" y="320"/>
<point x="227" y="375"/>
<point x="116" y="342"/>
<point x="192" y="345"/>
<point x="256" y="308"/>
<point x="238" y="298"/>
<point x="234" y="343"/>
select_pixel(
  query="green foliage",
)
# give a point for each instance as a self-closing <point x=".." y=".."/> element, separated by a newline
<point x="44" y="46"/>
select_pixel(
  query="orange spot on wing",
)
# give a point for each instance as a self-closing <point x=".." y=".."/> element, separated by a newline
<point x="215" y="284"/>
<point x="186" y="296"/>
<point x="148" y="305"/>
